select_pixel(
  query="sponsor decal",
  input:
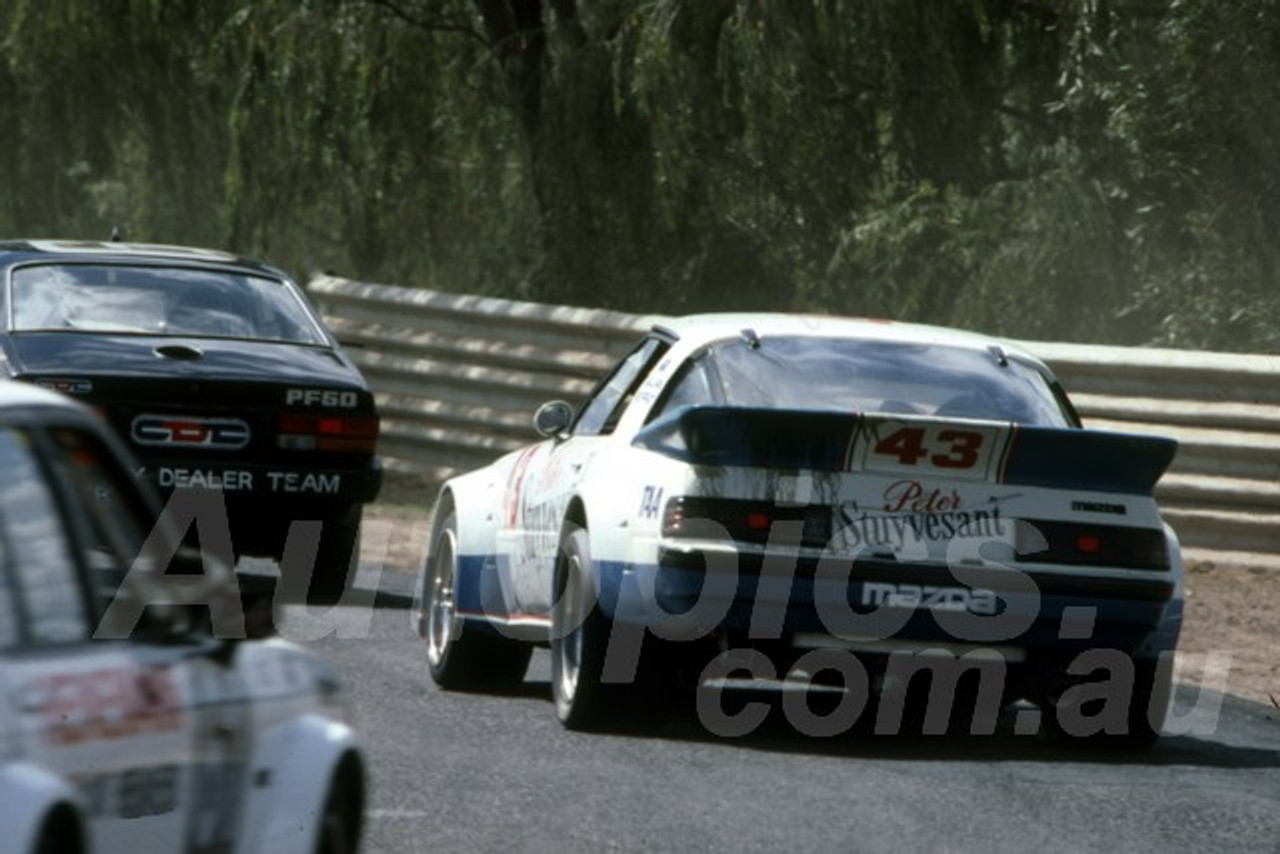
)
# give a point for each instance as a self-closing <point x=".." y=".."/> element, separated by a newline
<point x="230" y="434"/>
<point x="327" y="398"/>
<point x="911" y="513"/>
<point x="540" y="529"/>
<point x="895" y="532"/>
<point x="232" y="480"/>
<point x="910" y="497"/>
<point x="963" y="599"/>
<point x="239" y="480"/>
<point x="295" y="482"/>
<point x="66" y="386"/>
<point x="99" y="705"/>
<point x="515" y="482"/>
<point x="1099" y="507"/>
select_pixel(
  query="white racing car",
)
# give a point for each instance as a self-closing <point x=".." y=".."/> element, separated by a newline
<point x="876" y="505"/>
<point x="126" y="725"/>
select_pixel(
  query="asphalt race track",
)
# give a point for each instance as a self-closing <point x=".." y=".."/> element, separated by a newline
<point x="477" y="773"/>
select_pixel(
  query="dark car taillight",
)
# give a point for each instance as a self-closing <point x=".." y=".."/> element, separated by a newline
<point x="1075" y="544"/>
<point x="744" y="521"/>
<point x="350" y="433"/>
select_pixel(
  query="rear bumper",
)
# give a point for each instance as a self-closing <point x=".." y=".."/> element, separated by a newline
<point x="781" y="599"/>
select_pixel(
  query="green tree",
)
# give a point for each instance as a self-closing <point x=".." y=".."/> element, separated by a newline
<point x="1097" y="170"/>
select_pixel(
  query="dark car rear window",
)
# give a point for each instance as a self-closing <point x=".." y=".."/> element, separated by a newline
<point x="152" y="300"/>
<point x="851" y="375"/>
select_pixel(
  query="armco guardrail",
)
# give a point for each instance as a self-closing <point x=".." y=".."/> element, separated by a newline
<point x="1222" y="493"/>
<point x="458" y="378"/>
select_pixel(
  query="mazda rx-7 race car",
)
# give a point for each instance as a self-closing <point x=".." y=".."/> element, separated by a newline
<point x="768" y="495"/>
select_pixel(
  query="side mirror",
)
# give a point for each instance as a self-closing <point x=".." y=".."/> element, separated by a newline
<point x="553" y="418"/>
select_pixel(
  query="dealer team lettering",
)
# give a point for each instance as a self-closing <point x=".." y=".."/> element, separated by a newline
<point x="236" y="480"/>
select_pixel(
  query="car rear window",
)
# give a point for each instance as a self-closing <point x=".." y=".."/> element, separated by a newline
<point x="157" y="300"/>
<point x="853" y="375"/>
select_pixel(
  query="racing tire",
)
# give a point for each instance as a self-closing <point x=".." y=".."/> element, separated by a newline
<point x="462" y="656"/>
<point x="61" y="834"/>
<point x="579" y="639"/>
<point x="339" y="829"/>
<point x="1145" y="716"/>
<point x="657" y="687"/>
<point x="337" y="556"/>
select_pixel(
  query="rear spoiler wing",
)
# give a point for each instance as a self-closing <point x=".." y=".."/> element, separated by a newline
<point x="994" y="451"/>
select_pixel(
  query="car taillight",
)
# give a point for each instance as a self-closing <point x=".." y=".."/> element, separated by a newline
<point x="744" y="521"/>
<point x="351" y="433"/>
<point x="1075" y="544"/>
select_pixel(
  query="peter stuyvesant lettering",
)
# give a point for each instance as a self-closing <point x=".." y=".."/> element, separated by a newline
<point x="896" y="531"/>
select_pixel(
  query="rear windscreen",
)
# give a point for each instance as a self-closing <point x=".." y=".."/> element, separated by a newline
<point x="850" y="375"/>
<point x="152" y="300"/>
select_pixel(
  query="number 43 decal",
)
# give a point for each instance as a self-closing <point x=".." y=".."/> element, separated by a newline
<point x="904" y="447"/>
<point x="949" y="449"/>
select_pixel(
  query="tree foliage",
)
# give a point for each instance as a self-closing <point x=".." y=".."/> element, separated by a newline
<point x="1094" y="171"/>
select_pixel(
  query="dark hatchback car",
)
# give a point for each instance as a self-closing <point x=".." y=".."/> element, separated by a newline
<point x="217" y="373"/>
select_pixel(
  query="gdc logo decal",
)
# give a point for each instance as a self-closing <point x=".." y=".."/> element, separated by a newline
<point x="223" y="433"/>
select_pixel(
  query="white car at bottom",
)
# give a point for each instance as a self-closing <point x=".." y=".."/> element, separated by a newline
<point x="143" y="711"/>
<point x="883" y="508"/>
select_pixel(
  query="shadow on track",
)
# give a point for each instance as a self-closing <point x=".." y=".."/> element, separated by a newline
<point x="269" y="584"/>
<point x="1017" y="737"/>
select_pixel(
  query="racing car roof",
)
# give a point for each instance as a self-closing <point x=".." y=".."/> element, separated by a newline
<point x="699" y="329"/>
<point x="17" y="251"/>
